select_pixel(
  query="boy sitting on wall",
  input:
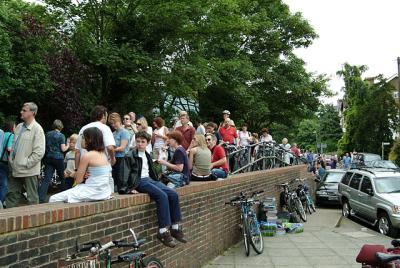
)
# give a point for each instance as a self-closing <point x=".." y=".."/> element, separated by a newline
<point x="140" y="177"/>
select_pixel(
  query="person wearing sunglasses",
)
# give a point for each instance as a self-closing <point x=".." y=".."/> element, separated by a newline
<point x="219" y="163"/>
<point x="129" y="125"/>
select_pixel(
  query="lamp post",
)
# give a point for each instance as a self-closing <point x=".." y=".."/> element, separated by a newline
<point x="383" y="147"/>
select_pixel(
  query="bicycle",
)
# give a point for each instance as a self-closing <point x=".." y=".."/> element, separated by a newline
<point x="135" y="259"/>
<point x="250" y="227"/>
<point x="291" y="201"/>
<point x="305" y="197"/>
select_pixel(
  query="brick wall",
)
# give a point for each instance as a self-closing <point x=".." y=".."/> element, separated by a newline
<point x="37" y="236"/>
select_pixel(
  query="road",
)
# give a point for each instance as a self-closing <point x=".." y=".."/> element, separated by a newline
<point x="321" y="245"/>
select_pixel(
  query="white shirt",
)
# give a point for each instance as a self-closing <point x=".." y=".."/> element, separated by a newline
<point x="244" y="138"/>
<point x="266" y="139"/>
<point x="108" y="137"/>
<point x="159" y="142"/>
<point x="145" y="165"/>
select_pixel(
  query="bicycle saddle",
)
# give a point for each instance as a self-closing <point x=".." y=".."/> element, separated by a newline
<point x="385" y="258"/>
<point x="129" y="257"/>
<point x="396" y="243"/>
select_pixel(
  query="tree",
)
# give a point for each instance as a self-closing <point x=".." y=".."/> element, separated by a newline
<point x="330" y="130"/>
<point x="371" y="115"/>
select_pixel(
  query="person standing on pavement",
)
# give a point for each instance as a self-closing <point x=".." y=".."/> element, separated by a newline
<point x="186" y="130"/>
<point x="27" y="151"/>
<point x="4" y="167"/>
<point x="122" y="139"/>
<point x="54" y="158"/>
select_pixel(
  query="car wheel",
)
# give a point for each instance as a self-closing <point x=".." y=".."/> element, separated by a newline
<point x="385" y="227"/>
<point x="346" y="209"/>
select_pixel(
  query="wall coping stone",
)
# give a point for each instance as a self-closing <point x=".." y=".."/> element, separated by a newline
<point x="25" y="217"/>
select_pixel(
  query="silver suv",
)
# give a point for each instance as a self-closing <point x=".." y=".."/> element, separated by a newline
<point x="373" y="196"/>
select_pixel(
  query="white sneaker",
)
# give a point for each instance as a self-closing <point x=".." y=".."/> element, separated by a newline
<point x="220" y="179"/>
<point x="171" y="185"/>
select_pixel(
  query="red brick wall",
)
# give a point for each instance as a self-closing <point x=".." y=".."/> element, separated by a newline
<point x="37" y="236"/>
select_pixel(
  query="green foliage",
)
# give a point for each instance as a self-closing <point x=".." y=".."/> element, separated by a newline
<point x="156" y="56"/>
<point x="371" y="115"/>
<point x="395" y="152"/>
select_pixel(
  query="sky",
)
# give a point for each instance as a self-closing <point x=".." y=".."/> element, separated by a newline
<point x="359" y="32"/>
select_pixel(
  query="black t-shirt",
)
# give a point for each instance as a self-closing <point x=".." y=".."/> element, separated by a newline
<point x="180" y="157"/>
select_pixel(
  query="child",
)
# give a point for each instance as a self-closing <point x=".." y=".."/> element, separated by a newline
<point x="140" y="177"/>
<point x="69" y="172"/>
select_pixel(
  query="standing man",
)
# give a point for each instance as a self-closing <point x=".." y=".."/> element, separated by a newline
<point x="186" y="130"/>
<point x="226" y="114"/>
<point x="178" y="122"/>
<point x="99" y="119"/>
<point x="27" y="150"/>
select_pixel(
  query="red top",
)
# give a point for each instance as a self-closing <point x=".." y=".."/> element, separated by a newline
<point x="188" y="135"/>
<point x="228" y="134"/>
<point x="295" y="151"/>
<point x="218" y="153"/>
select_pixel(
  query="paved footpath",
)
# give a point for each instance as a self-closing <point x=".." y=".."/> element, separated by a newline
<point x="321" y="245"/>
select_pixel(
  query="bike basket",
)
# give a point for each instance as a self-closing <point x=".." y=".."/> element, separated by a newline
<point x="90" y="263"/>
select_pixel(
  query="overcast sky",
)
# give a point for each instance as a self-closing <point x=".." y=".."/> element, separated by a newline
<point x="360" y="32"/>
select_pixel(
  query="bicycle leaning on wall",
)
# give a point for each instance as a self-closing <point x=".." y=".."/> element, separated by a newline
<point x="250" y="227"/>
<point x="135" y="259"/>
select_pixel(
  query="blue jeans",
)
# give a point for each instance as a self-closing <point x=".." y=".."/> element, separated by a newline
<point x="219" y="173"/>
<point x="167" y="201"/>
<point x="177" y="178"/>
<point x="51" y="164"/>
<point x="3" y="180"/>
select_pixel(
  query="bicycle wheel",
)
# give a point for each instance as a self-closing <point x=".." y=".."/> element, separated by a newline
<point x="256" y="239"/>
<point x="300" y="209"/>
<point x="151" y="262"/>
<point x="246" y="237"/>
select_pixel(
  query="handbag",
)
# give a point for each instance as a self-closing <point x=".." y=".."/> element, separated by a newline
<point x="4" y="155"/>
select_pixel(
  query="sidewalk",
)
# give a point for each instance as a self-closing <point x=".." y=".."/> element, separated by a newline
<point x="321" y="245"/>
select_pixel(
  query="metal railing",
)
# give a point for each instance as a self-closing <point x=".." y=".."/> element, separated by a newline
<point x="268" y="155"/>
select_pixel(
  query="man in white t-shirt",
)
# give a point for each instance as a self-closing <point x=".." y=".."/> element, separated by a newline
<point x="99" y="118"/>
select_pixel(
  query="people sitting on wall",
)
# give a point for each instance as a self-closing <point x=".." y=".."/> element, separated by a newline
<point x="200" y="159"/>
<point x="219" y="162"/>
<point x="178" y="173"/>
<point x="142" y="178"/>
<point x="93" y="164"/>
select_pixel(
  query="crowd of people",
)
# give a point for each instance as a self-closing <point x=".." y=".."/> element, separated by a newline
<point x="115" y="153"/>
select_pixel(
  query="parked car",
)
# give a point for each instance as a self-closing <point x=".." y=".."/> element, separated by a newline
<point x="373" y="196"/>
<point x="327" y="189"/>
<point x="364" y="159"/>
<point x="382" y="164"/>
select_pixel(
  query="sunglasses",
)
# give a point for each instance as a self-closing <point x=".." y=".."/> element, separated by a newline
<point x="126" y="118"/>
<point x="208" y="139"/>
<point x="139" y="124"/>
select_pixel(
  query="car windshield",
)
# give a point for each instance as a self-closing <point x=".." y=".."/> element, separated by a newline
<point x="371" y="157"/>
<point x="388" y="185"/>
<point x="384" y="164"/>
<point x="333" y="177"/>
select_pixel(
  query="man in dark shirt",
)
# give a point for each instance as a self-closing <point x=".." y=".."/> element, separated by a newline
<point x="186" y="130"/>
<point x="179" y="164"/>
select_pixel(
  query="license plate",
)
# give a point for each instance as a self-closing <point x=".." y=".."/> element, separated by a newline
<point x="333" y="198"/>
